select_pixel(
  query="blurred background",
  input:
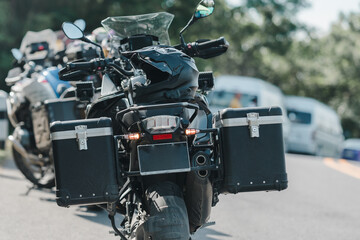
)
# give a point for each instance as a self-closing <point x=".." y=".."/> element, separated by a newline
<point x="302" y="55"/>
<point x="306" y="48"/>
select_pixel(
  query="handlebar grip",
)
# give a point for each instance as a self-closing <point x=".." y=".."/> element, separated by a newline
<point x="80" y="66"/>
<point x="70" y="75"/>
<point x="211" y="43"/>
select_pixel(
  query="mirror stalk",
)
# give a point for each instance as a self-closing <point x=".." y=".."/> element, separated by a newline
<point x="85" y="39"/>
<point x="191" y="21"/>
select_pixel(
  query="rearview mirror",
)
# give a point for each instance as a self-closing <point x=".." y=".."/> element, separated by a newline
<point x="204" y="8"/>
<point x="80" y="23"/>
<point x="17" y="54"/>
<point x="72" y="31"/>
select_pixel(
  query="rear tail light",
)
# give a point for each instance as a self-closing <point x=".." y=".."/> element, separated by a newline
<point x="162" y="136"/>
<point x="190" y="131"/>
<point x="161" y="124"/>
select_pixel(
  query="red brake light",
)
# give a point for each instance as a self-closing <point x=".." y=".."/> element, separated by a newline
<point x="41" y="47"/>
<point x="162" y="136"/>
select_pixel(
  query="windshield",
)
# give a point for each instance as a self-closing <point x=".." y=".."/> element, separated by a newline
<point x="31" y="37"/>
<point x="299" y="117"/>
<point x="156" y="24"/>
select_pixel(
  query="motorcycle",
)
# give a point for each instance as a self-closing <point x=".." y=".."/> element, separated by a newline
<point x="34" y="101"/>
<point x="149" y="148"/>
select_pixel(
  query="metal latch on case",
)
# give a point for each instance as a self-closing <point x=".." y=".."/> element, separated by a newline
<point x="81" y="136"/>
<point x="253" y="121"/>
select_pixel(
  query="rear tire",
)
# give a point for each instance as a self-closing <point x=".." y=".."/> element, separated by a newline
<point x="47" y="181"/>
<point x="168" y="215"/>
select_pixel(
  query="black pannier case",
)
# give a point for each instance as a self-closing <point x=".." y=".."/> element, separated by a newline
<point x="251" y="149"/>
<point x="84" y="159"/>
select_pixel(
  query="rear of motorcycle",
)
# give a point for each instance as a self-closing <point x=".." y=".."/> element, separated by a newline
<point x="163" y="175"/>
<point x="161" y="169"/>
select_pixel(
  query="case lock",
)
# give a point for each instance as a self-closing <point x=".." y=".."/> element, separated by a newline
<point x="253" y="121"/>
<point x="81" y="136"/>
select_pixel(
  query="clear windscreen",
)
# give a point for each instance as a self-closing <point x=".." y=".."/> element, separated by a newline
<point x="31" y="37"/>
<point x="156" y="24"/>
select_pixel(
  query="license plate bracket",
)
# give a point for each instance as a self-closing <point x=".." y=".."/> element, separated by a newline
<point x="163" y="158"/>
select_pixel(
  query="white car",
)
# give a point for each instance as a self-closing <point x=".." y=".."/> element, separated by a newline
<point x="4" y="127"/>
<point x="315" y="127"/>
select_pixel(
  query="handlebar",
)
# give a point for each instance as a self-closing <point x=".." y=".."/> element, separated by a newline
<point x="207" y="48"/>
<point x="92" y="65"/>
<point x="211" y="43"/>
<point x="77" y="69"/>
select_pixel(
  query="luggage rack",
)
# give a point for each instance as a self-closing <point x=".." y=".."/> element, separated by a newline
<point x="136" y="110"/>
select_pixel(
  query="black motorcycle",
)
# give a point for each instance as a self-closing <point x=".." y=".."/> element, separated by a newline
<point x="149" y="148"/>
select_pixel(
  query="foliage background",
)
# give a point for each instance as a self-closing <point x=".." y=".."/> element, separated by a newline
<point x="266" y="41"/>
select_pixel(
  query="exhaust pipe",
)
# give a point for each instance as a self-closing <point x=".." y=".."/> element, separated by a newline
<point x="18" y="147"/>
<point x="203" y="173"/>
<point x="201" y="159"/>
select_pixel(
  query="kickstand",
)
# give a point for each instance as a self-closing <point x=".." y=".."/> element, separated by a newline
<point x="116" y="231"/>
<point x="34" y="186"/>
<point x="208" y="224"/>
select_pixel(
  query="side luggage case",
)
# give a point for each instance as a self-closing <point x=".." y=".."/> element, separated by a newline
<point x="251" y="149"/>
<point x="85" y="162"/>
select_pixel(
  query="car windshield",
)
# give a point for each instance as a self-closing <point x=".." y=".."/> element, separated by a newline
<point x="299" y="117"/>
<point x="225" y="99"/>
<point x="156" y="24"/>
<point x="352" y="144"/>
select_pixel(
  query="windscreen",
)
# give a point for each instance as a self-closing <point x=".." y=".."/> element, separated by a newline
<point x="299" y="117"/>
<point x="352" y="144"/>
<point x="156" y="24"/>
<point x="47" y="35"/>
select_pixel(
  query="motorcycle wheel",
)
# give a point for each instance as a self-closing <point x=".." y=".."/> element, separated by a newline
<point x="42" y="178"/>
<point x="168" y="215"/>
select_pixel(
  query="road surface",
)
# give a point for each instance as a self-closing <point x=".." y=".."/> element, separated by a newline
<point x="321" y="203"/>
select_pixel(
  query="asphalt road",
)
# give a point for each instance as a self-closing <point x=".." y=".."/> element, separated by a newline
<point x="321" y="203"/>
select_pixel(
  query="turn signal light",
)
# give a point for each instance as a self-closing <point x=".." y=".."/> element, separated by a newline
<point x="133" y="136"/>
<point x="190" y="131"/>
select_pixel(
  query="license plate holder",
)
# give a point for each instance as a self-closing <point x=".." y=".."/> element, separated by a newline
<point x="163" y="158"/>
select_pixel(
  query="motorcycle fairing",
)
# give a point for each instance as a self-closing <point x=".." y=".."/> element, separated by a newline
<point x="52" y="76"/>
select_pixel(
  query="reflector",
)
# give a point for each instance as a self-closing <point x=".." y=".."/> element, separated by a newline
<point x="162" y="136"/>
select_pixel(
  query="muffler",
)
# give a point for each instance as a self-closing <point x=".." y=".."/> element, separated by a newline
<point x="201" y="159"/>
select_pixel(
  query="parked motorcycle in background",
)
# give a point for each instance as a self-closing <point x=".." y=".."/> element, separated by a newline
<point x="150" y="148"/>
<point x="37" y="97"/>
